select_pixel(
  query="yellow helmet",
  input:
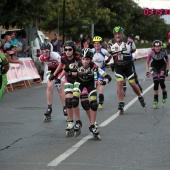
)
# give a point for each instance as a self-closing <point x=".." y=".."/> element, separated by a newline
<point x="97" y="39"/>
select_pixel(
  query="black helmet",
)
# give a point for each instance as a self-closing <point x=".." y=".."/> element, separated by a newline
<point x="86" y="53"/>
<point x="71" y="44"/>
<point x="157" y="43"/>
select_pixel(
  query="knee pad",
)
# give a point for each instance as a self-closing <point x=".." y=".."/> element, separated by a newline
<point x="101" y="97"/>
<point x="162" y="82"/>
<point x="94" y="105"/>
<point x="156" y="84"/>
<point x="75" y="101"/>
<point x="85" y="105"/>
<point x="68" y="102"/>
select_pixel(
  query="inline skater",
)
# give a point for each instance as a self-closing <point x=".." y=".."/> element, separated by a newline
<point x="159" y="69"/>
<point x="130" y="42"/>
<point x="99" y="54"/>
<point x="85" y="72"/>
<point x="4" y="67"/>
<point x="122" y="57"/>
<point x="52" y="59"/>
<point x="70" y="56"/>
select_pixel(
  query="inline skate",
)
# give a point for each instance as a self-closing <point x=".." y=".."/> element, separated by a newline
<point x="94" y="130"/>
<point x="142" y="102"/>
<point x="155" y="102"/>
<point x="47" y="115"/>
<point x="77" y="128"/>
<point x="70" y="129"/>
<point x="121" y="107"/>
<point x="164" y="98"/>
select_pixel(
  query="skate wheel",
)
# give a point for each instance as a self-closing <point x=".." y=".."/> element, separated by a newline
<point x="77" y="133"/>
<point x="47" y="119"/>
<point x="70" y="133"/>
<point x="66" y="118"/>
<point x="121" y="112"/>
<point x="98" y="137"/>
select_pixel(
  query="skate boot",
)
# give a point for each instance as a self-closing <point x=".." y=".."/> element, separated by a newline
<point x="70" y="129"/>
<point x="47" y="115"/>
<point x="164" y="98"/>
<point x="101" y="100"/>
<point x="65" y="113"/>
<point x="95" y="132"/>
<point x="155" y="102"/>
<point x="96" y="124"/>
<point x="77" y="128"/>
<point x="124" y="88"/>
<point x="121" y="108"/>
<point x="142" y="102"/>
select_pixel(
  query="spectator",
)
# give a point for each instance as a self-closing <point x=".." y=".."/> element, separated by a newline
<point x="22" y="46"/>
<point x="14" y="40"/>
<point x="47" y="44"/>
<point x="7" y="42"/>
<point x="56" y="43"/>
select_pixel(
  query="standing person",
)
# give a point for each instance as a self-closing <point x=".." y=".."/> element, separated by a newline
<point x="56" y="43"/>
<point x="70" y="56"/>
<point x="52" y="59"/>
<point x="14" y="40"/>
<point x="159" y="70"/>
<point x="99" y="54"/>
<point x="4" y="67"/>
<point x="130" y="42"/>
<point x="122" y="57"/>
<point x="85" y="71"/>
<point x="47" y="44"/>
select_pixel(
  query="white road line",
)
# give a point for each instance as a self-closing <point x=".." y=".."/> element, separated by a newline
<point x="75" y="147"/>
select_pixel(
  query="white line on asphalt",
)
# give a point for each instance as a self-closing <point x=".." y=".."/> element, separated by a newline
<point x="75" y="147"/>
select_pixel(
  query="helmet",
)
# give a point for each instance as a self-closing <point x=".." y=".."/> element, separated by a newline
<point x="157" y="43"/>
<point x="86" y="53"/>
<point x="118" y="29"/>
<point x="71" y="44"/>
<point x="97" y="39"/>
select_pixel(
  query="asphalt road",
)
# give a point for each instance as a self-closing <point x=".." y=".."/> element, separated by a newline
<point x="137" y="140"/>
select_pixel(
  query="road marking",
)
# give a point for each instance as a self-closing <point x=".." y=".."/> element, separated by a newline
<point x="75" y="147"/>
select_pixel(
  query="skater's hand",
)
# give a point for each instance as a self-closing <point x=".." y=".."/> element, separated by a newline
<point x="166" y="73"/>
<point x="148" y="74"/>
<point x="102" y="82"/>
<point x="51" y="77"/>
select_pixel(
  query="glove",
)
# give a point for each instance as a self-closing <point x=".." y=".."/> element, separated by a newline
<point x="102" y="82"/>
<point x="51" y="77"/>
<point x="148" y="74"/>
<point x="166" y="73"/>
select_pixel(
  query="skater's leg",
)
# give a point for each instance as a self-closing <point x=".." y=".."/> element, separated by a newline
<point x="100" y="90"/>
<point x="49" y="92"/>
<point x="124" y="87"/>
<point x="62" y="98"/>
<point x="155" y="101"/>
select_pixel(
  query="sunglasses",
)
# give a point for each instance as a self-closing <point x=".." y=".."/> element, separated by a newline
<point x="68" y="49"/>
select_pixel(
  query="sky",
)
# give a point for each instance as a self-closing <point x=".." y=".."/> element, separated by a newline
<point x="157" y="4"/>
